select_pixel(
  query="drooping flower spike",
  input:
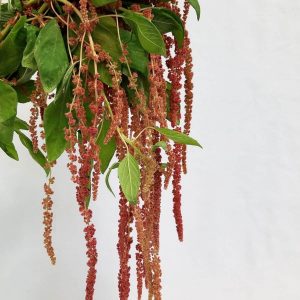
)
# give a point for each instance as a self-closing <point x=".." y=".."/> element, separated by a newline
<point x="110" y="83"/>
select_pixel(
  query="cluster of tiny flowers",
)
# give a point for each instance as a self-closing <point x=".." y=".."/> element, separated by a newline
<point x="48" y="219"/>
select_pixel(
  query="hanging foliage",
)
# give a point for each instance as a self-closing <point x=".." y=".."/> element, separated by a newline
<point x="110" y="84"/>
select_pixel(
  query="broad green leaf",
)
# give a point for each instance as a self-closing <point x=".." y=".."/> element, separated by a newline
<point x="51" y="56"/>
<point x="138" y="57"/>
<point x="168" y="21"/>
<point x="113" y="166"/>
<point x="8" y="111"/>
<point x="55" y="121"/>
<point x="106" y="35"/>
<point x="177" y="137"/>
<point x="38" y="157"/>
<point x="10" y="150"/>
<point x="28" y="60"/>
<point x="108" y="150"/>
<point x="130" y="178"/>
<point x="195" y="4"/>
<point x="7" y="131"/>
<point x="24" y="91"/>
<point x="11" y="49"/>
<point x="20" y="125"/>
<point x="149" y="36"/>
<point x="8" y="102"/>
<point x="99" y="3"/>
<point x="160" y="144"/>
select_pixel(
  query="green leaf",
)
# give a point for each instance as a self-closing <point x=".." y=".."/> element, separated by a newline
<point x="103" y="71"/>
<point x="113" y="166"/>
<point x="8" y="102"/>
<point x="177" y="137"/>
<point x="108" y="150"/>
<point x="55" y="121"/>
<point x="28" y="60"/>
<point x="5" y="14"/>
<point x="24" y="75"/>
<point x="99" y="3"/>
<point x="20" y="125"/>
<point x="10" y="150"/>
<point x="130" y="178"/>
<point x="195" y="4"/>
<point x="138" y="57"/>
<point x="51" y="56"/>
<point x="147" y="33"/>
<point x="7" y="131"/>
<point x="11" y="49"/>
<point x="160" y="144"/>
<point x="24" y="91"/>
<point x="8" y="112"/>
<point x="106" y="35"/>
<point x="168" y="21"/>
<point x="38" y="156"/>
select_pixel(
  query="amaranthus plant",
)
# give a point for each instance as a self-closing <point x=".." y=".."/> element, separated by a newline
<point x="110" y="83"/>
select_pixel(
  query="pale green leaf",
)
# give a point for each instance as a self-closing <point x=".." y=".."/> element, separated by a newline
<point x="113" y="166"/>
<point x="177" y="137"/>
<point x="160" y="144"/>
<point x="130" y="178"/>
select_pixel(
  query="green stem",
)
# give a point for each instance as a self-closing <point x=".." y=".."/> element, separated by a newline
<point x="4" y="32"/>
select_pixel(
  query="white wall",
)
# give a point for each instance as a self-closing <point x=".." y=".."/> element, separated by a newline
<point x="241" y="196"/>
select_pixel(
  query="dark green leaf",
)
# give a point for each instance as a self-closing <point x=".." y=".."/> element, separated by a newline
<point x="99" y="3"/>
<point x="55" y="121"/>
<point x="107" y="151"/>
<point x="11" y="49"/>
<point x="38" y="157"/>
<point x="168" y="21"/>
<point x="178" y="137"/>
<point x="138" y="57"/>
<point x="51" y="56"/>
<point x="24" y="91"/>
<point x="28" y="60"/>
<point x="160" y="144"/>
<point x="8" y="102"/>
<point x="24" y="75"/>
<point x="103" y="71"/>
<point x="20" y="125"/>
<point x="7" y="131"/>
<point x="147" y="33"/>
<point x="10" y="150"/>
<point x="195" y="4"/>
<point x="113" y="166"/>
<point x="130" y="178"/>
<point x="106" y="35"/>
<point x="8" y="111"/>
<point x="5" y="14"/>
<point x="16" y="5"/>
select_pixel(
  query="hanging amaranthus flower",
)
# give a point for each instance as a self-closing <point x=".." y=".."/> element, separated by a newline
<point x="106" y="82"/>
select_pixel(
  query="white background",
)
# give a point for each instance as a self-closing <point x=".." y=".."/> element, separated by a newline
<point x="241" y="196"/>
